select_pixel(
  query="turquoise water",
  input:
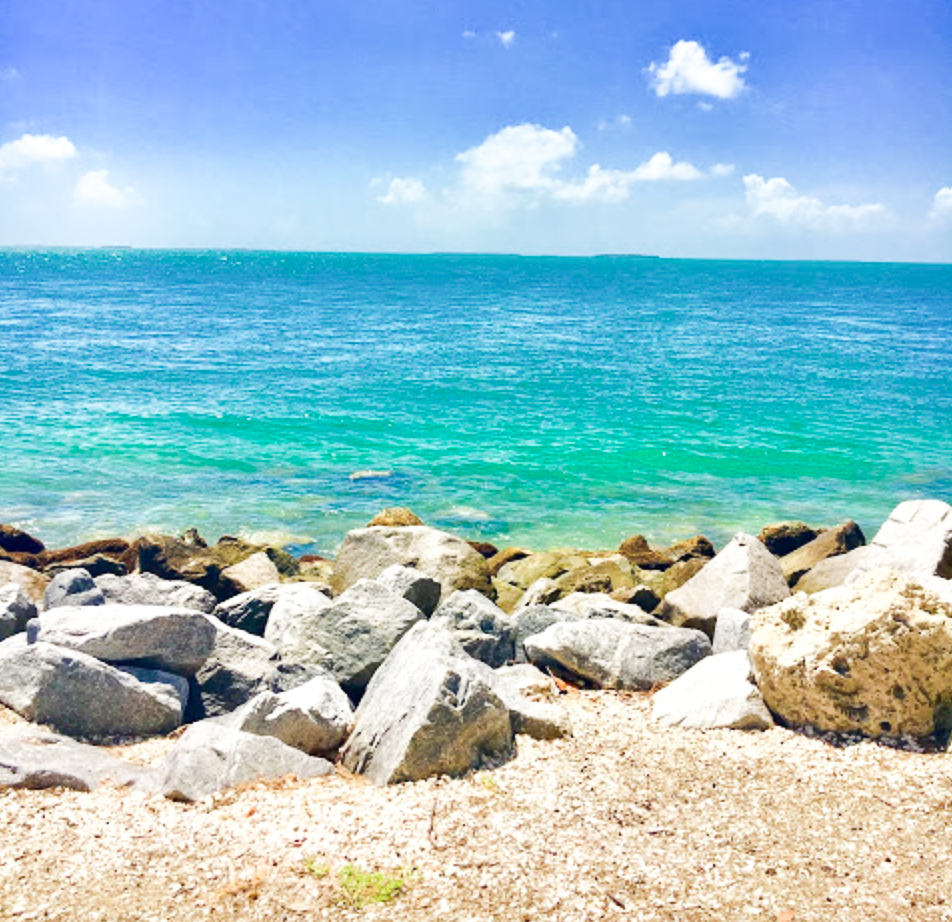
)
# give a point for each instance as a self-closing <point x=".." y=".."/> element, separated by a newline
<point x="540" y="401"/>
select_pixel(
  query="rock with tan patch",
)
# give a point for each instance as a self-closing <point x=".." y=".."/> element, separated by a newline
<point x="873" y="657"/>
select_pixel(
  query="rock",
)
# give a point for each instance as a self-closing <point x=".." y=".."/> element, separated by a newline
<point x="252" y="572"/>
<point x="430" y="710"/>
<point x="95" y="566"/>
<point x="175" y="639"/>
<point x="32" y="583"/>
<point x="641" y="595"/>
<point x="874" y="657"/>
<point x="177" y="560"/>
<point x="315" y="717"/>
<point x="614" y="654"/>
<point x="239" y="666"/>
<point x="481" y="628"/>
<point x="744" y="575"/>
<point x="785" y="537"/>
<point x="297" y="606"/>
<point x="149" y="589"/>
<point x="16" y="541"/>
<point x="917" y="538"/>
<point x="16" y="608"/>
<point x="543" y="591"/>
<point x="484" y="548"/>
<point x="601" y="576"/>
<point x="598" y="605"/>
<point x="115" y="549"/>
<point x="79" y="695"/>
<point x="834" y="571"/>
<point x="209" y="758"/>
<point x="413" y="586"/>
<point x="367" y="552"/>
<point x="529" y="681"/>
<point x="534" y="620"/>
<point x="191" y="536"/>
<point x="34" y="759"/>
<point x="661" y="582"/>
<point x="72" y="587"/>
<point x="831" y="543"/>
<point x="637" y="550"/>
<point x="696" y="548"/>
<point x="551" y="565"/>
<point x="394" y="517"/>
<point x="506" y="555"/>
<point x="352" y="637"/>
<point x="250" y="611"/>
<point x="715" y="692"/>
<point x="540" y="720"/>
<point x="731" y="631"/>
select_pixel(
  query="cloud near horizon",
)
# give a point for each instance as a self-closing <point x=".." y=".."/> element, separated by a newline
<point x="689" y="70"/>
<point x="32" y="149"/>
<point x="778" y="199"/>
<point x="94" y="189"/>
<point x="942" y="205"/>
<point x="401" y="191"/>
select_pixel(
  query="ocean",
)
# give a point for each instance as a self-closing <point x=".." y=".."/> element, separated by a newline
<point x="520" y="400"/>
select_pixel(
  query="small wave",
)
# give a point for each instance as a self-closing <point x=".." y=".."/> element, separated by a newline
<point x="371" y="475"/>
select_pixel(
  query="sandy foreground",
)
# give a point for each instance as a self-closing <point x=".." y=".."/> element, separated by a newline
<point x="624" y="821"/>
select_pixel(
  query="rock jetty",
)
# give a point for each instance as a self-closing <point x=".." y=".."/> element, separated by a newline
<point x="417" y="653"/>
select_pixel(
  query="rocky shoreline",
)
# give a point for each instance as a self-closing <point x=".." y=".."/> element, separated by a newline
<point x="416" y="654"/>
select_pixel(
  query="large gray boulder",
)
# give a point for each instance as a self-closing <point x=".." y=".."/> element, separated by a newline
<point x="413" y="586"/>
<point x="917" y="538"/>
<point x="352" y="637"/>
<point x="732" y="631"/>
<point x="483" y="629"/>
<point x="601" y="605"/>
<point x="716" y="692"/>
<point x="239" y="666"/>
<point x="296" y="609"/>
<point x="315" y="717"/>
<point x="609" y="653"/>
<point x="149" y="589"/>
<point x="176" y="639"/>
<point x="72" y="587"/>
<point x="534" y="620"/>
<point x="873" y="657"/>
<point x="81" y="696"/>
<point x="431" y="709"/>
<point x="16" y="608"/>
<point x="367" y="552"/>
<point x="34" y="759"/>
<point x="743" y="575"/>
<point x="210" y="757"/>
<point x="250" y="611"/>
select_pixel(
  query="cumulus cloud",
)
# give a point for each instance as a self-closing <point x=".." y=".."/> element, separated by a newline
<point x="506" y="38"/>
<point x="34" y="148"/>
<point x="942" y="205"/>
<point x="522" y="164"/>
<point x="689" y="70"/>
<point x="401" y="191"/>
<point x="778" y="199"/>
<point x="94" y="189"/>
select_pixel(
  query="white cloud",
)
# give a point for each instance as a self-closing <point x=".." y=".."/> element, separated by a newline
<point x="506" y="38"/>
<point x="94" y="189"/>
<point x="722" y="169"/>
<point x="942" y="205"/>
<point x="522" y="164"/>
<point x="776" y="198"/>
<point x="469" y="33"/>
<point x="689" y="70"/>
<point x="401" y="191"/>
<point x="35" y="148"/>
<point x="619" y="122"/>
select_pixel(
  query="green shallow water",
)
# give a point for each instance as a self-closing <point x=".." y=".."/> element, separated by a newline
<point x="540" y="401"/>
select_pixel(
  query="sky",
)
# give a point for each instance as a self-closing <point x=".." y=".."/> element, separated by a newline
<point x="780" y="129"/>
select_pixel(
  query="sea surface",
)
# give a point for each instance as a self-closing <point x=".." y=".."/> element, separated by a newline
<point x="520" y="400"/>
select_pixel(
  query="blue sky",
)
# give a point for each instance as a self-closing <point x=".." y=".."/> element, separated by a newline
<point x="748" y="128"/>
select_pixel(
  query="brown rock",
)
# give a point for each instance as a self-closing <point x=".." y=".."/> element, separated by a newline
<point x="661" y="582"/>
<point x="32" y="583"/>
<point x="696" y="548"/>
<point x="17" y="541"/>
<point x="507" y="594"/>
<point x="395" y="517"/>
<point x="33" y="561"/>
<point x="785" y="537"/>
<point x="116" y="548"/>
<point x="831" y="543"/>
<point x="506" y="555"/>
<point x="485" y="548"/>
<point x="642" y="555"/>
